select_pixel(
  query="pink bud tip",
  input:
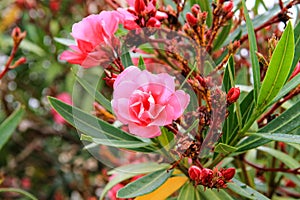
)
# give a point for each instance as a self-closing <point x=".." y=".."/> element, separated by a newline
<point x="139" y="6"/>
<point x="195" y="9"/>
<point x="228" y="174"/>
<point x="194" y="172"/>
<point x="227" y="7"/>
<point x="153" y="22"/>
<point x="233" y="95"/>
<point x="191" y="19"/>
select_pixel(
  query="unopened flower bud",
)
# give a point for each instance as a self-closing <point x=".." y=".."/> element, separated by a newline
<point x="233" y="95"/>
<point x="17" y="35"/>
<point x="161" y="15"/>
<point x="206" y="176"/>
<point x="290" y="184"/>
<point x="153" y="22"/>
<point x="191" y="19"/>
<point x="110" y="80"/>
<point x="195" y="9"/>
<point x="194" y="173"/>
<point x="229" y="15"/>
<point x="139" y="6"/>
<point x="228" y="174"/>
<point x="227" y="7"/>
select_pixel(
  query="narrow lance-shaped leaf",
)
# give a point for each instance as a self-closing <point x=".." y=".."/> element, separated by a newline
<point x="278" y="69"/>
<point x="94" y="93"/>
<point x="297" y="47"/>
<point x="9" y="125"/>
<point x="245" y="191"/>
<point x="93" y="126"/>
<point x="288" y="138"/>
<point x="145" y="184"/>
<point x="128" y="171"/>
<point x="141" y="63"/>
<point x="164" y="191"/>
<point x="253" y="50"/>
<point x="286" y="123"/>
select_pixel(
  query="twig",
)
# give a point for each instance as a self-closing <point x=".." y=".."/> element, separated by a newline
<point x="295" y="171"/>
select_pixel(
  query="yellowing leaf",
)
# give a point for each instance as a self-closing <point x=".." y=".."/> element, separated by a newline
<point x="164" y="191"/>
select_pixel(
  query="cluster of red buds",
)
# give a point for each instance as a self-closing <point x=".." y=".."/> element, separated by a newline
<point x="211" y="178"/>
<point x="146" y="14"/>
<point x="110" y="78"/>
<point x="227" y="9"/>
<point x="196" y="16"/>
<point x="233" y="95"/>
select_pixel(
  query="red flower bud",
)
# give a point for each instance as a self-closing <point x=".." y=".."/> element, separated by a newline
<point x="153" y="22"/>
<point x="229" y="15"/>
<point x="290" y="183"/>
<point x="233" y="95"/>
<point x="227" y="7"/>
<point x="195" y="9"/>
<point x="17" y="35"/>
<point x="206" y="176"/>
<point x="228" y="174"/>
<point x="191" y="19"/>
<point x="139" y="6"/>
<point x="194" y="173"/>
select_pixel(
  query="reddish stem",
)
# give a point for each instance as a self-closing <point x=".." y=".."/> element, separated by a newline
<point x="9" y="61"/>
<point x="278" y="104"/>
<point x="295" y="171"/>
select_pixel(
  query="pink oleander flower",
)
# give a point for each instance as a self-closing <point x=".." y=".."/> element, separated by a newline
<point x="93" y="35"/>
<point x="65" y="97"/>
<point x="146" y="101"/>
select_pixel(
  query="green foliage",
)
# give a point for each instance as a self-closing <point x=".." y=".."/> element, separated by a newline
<point x="8" y="127"/>
<point x="253" y="50"/>
<point x="145" y="184"/>
<point x="278" y="69"/>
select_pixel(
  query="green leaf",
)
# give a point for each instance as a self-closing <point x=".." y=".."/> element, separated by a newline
<point x="166" y="139"/>
<point x="114" y="143"/>
<point x="289" y="86"/>
<point x="297" y="47"/>
<point x="286" y="123"/>
<point x="278" y="69"/>
<point x="140" y="168"/>
<point x="94" y="93"/>
<point x="245" y="191"/>
<point x="20" y="191"/>
<point x="288" y="138"/>
<point x="224" y="148"/>
<point x="283" y="157"/>
<point x="188" y="191"/>
<point x="91" y="125"/>
<point x="214" y="194"/>
<point x="222" y="36"/>
<point x="253" y="50"/>
<point x="65" y="41"/>
<point x="229" y="74"/>
<point x="9" y="125"/>
<point x="128" y="171"/>
<point x="144" y="185"/>
<point x="126" y="58"/>
<point x="141" y="63"/>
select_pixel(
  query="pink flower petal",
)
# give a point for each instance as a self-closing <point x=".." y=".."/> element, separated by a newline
<point x="144" y="131"/>
<point x="179" y="101"/>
